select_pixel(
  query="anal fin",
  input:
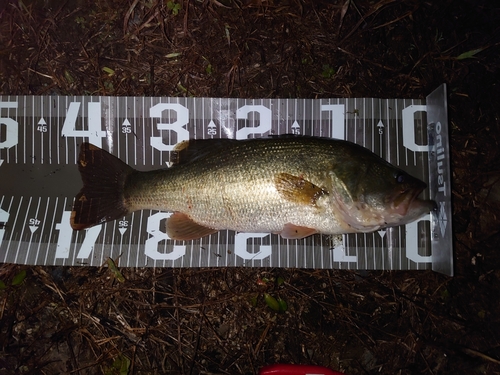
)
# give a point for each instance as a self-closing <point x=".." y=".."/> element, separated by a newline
<point x="181" y="227"/>
<point x="296" y="232"/>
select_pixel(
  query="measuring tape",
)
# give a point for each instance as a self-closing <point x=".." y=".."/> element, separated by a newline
<point x="39" y="142"/>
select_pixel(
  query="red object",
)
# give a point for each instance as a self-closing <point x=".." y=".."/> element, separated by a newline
<point x="297" y="370"/>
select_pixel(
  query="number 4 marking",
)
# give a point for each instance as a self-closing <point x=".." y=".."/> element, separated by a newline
<point x="4" y="217"/>
<point x="94" y="130"/>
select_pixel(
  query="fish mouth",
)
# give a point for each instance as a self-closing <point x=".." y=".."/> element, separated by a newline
<point x="410" y="207"/>
<point x="407" y="200"/>
<point x="418" y="207"/>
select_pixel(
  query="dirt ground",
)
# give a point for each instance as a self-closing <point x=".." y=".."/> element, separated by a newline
<point x="215" y="321"/>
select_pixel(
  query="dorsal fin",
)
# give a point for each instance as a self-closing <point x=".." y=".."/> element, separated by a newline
<point x="187" y="151"/>
<point x="287" y="135"/>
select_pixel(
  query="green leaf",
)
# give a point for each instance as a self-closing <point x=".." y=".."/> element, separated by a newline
<point x="328" y="71"/>
<point x="173" y="54"/>
<point x="271" y="302"/>
<point x="2" y="285"/>
<point x="114" y="269"/>
<point x="182" y="88"/>
<point x="120" y="366"/>
<point x="469" y="54"/>
<point x="69" y="78"/>
<point x="174" y="7"/>
<point x="445" y="295"/>
<point x="19" y="278"/>
<point x="283" y="306"/>
<point x="108" y="70"/>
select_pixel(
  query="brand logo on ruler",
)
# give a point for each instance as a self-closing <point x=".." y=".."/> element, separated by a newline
<point x="441" y="178"/>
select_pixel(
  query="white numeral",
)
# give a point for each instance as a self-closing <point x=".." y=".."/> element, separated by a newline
<point x="338" y="119"/>
<point x="176" y="126"/>
<point x="240" y="246"/>
<point x="409" y="128"/>
<point x="11" y="135"/>
<point x="265" y="120"/>
<point x="64" y="240"/>
<point x="94" y="129"/>
<point x="151" y="245"/>
<point x="4" y="217"/>
<point x="412" y="240"/>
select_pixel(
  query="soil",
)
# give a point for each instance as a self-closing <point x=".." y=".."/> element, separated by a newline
<point x="216" y="321"/>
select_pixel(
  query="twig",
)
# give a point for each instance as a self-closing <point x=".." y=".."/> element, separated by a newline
<point x="262" y="338"/>
<point x="475" y="353"/>
<point x="375" y="9"/>
<point x="127" y="16"/>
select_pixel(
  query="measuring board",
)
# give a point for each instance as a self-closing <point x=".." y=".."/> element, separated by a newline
<point x="39" y="144"/>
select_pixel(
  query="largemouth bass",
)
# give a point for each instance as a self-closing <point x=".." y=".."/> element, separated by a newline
<point x="295" y="186"/>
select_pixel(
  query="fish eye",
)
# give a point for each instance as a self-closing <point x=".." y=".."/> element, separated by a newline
<point x="400" y="177"/>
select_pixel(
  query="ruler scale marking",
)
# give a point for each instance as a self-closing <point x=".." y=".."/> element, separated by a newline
<point x="53" y="223"/>
<point x="388" y="250"/>
<point x="33" y="231"/>
<point x="22" y="230"/>
<point x="12" y="233"/>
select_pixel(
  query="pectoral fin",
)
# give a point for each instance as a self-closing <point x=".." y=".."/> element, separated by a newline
<point x="297" y="189"/>
<point x="295" y="232"/>
<point x="181" y="227"/>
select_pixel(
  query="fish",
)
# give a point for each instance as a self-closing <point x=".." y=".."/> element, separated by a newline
<point x="295" y="186"/>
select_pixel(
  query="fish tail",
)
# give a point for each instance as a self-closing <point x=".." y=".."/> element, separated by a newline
<point x="102" y="197"/>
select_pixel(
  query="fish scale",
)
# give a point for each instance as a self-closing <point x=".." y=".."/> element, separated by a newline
<point x="226" y="188"/>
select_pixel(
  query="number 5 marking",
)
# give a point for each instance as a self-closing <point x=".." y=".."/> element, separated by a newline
<point x="12" y="133"/>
